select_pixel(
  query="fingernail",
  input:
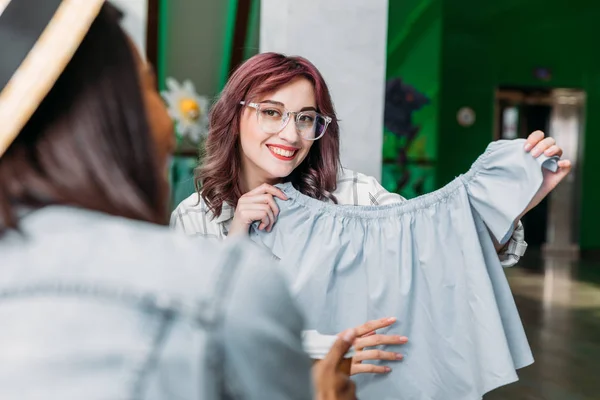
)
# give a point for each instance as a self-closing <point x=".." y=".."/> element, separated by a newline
<point x="387" y="369"/>
<point x="399" y="356"/>
<point x="402" y="339"/>
<point x="348" y="336"/>
<point x="528" y="146"/>
<point x="535" y="153"/>
<point x="392" y="319"/>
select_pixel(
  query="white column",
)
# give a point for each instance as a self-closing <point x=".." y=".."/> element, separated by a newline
<point x="346" y="40"/>
<point x="135" y="20"/>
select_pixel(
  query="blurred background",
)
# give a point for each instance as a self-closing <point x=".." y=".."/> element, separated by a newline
<point x="421" y="87"/>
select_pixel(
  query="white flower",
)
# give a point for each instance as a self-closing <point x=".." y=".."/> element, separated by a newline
<point x="188" y="109"/>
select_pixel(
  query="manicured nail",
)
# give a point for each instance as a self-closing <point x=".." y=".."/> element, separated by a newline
<point x="399" y="356"/>
<point x="348" y="336"/>
<point x="392" y="319"/>
<point x="402" y="339"/>
<point x="535" y="153"/>
<point x="528" y="146"/>
<point x="387" y="369"/>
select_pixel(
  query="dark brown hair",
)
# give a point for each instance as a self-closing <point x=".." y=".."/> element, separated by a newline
<point x="218" y="179"/>
<point x="89" y="143"/>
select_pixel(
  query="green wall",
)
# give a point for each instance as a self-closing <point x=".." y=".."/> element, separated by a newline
<point x="193" y="37"/>
<point x="413" y="50"/>
<point x="486" y="44"/>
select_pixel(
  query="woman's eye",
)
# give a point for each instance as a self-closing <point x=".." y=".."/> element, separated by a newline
<point x="271" y="113"/>
<point x="306" y="118"/>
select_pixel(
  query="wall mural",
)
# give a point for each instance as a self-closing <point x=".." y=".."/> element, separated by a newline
<point x="404" y="155"/>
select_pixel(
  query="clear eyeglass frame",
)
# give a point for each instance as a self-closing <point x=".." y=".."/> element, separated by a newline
<point x="286" y="119"/>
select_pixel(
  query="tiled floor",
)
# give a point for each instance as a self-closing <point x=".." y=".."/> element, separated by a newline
<point x="559" y="303"/>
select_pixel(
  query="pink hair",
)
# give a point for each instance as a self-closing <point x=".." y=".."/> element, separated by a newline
<point x="218" y="178"/>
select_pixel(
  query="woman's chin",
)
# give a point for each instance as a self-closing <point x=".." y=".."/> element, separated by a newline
<point x="278" y="173"/>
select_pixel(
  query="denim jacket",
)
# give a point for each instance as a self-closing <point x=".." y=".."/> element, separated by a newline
<point x="98" y="307"/>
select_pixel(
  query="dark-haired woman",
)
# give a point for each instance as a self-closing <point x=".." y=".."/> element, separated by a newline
<point x="97" y="299"/>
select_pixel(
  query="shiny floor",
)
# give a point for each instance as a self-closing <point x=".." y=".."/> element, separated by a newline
<point x="559" y="303"/>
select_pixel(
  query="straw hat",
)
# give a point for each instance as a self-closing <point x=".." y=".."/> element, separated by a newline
<point x="37" y="40"/>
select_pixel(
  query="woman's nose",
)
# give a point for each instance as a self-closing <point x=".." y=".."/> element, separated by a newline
<point x="290" y="133"/>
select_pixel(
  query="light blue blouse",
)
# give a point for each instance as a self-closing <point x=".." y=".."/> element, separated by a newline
<point x="431" y="263"/>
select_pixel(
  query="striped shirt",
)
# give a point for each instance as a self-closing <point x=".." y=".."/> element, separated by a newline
<point x="193" y="218"/>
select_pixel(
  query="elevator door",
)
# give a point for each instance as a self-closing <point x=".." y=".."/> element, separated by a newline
<point x="553" y="225"/>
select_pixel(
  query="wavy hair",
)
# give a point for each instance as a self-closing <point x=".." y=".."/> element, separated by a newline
<point x="218" y="178"/>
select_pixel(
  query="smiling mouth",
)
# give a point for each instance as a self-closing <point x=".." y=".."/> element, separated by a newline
<point x="285" y="154"/>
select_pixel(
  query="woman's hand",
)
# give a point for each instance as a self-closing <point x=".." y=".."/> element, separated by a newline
<point x="256" y="205"/>
<point x="367" y="336"/>
<point x="538" y="145"/>
<point x="330" y="383"/>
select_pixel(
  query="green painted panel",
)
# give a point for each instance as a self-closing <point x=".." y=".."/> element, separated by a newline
<point x="414" y="42"/>
<point x="488" y="44"/>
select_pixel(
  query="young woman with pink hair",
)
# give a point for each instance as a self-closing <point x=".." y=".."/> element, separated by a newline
<point x="275" y="122"/>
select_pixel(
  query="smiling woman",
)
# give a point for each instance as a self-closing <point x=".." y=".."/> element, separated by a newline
<point x="253" y="145"/>
<point x="269" y="85"/>
<point x="271" y="131"/>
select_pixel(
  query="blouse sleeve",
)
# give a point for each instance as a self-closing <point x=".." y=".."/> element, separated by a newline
<point x="501" y="184"/>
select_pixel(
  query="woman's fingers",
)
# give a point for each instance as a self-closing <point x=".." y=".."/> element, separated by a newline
<point x="264" y="198"/>
<point x="378" y="340"/>
<point x="565" y="164"/>
<point x="257" y="201"/>
<point x="369" y="369"/>
<point x="371" y="326"/>
<point x="265" y="214"/>
<point x="368" y="337"/>
<point x="542" y="146"/>
<point x="376" y="355"/>
<point x="533" y="139"/>
<point x="257" y="212"/>
<point x="553" y="150"/>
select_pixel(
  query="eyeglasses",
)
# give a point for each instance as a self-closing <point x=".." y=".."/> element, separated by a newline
<point x="273" y="118"/>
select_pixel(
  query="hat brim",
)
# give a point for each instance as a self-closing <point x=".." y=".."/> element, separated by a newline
<point x="43" y="65"/>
